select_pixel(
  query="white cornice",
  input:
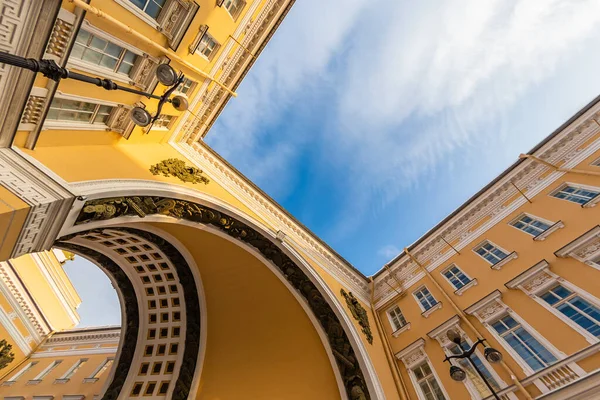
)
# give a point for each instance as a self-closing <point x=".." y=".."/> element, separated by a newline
<point x="569" y="148"/>
<point x="14" y="333"/>
<point x="274" y="215"/>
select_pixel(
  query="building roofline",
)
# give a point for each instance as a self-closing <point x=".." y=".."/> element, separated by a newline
<point x="431" y="231"/>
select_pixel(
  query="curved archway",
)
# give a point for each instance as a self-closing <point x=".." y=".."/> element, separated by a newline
<point x="110" y="211"/>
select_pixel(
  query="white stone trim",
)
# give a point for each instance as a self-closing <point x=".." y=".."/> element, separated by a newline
<point x="570" y="147"/>
<point x="584" y="249"/>
<point x="491" y="308"/>
<point x="427" y="313"/>
<point x="538" y="279"/>
<point x="49" y="201"/>
<point x="505" y="260"/>
<point x="590" y="203"/>
<point x="404" y="328"/>
<point x="138" y="13"/>
<point x="439" y="334"/>
<point x="14" y="333"/>
<point x="418" y="289"/>
<point x="556" y="226"/>
<point x="460" y="291"/>
<point x="414" y="355"/>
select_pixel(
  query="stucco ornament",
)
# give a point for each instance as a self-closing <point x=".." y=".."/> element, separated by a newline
<point x="177" y="168"/>
<point x="359" y="314"/>
<point x="6" y="355"/>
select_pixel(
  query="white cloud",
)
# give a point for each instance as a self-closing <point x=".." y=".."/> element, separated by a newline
<point x="407" y="84"/>
<point x="389" y="251"/>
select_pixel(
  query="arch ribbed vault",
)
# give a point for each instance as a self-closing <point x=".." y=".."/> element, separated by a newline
<point x="347" y="361"/>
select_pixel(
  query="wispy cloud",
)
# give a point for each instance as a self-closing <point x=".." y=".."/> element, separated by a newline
<point x="400" y="88"/>
<point x="388" y="251"/>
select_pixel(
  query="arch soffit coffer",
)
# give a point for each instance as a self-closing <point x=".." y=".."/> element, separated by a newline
<point x="162" y="310"/>
<point x="131" y="208"/>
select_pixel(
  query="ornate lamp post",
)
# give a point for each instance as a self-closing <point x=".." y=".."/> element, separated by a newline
<point x="459" y="374"/>
<point x="164" y="73"/>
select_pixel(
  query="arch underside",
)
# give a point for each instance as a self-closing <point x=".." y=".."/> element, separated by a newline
<point x="122" y="252"/>
<point x="345" y="357"/>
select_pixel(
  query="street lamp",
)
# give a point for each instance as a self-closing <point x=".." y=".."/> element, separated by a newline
<point x="459" y="374"/>
<point x="164" y="73"/>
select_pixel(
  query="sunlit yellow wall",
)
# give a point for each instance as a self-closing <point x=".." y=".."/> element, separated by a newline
<point x="60" y="315"/>
<point x="13" y="212"/>
<point x="577" y="221"/>
<point x="261" y="343"/>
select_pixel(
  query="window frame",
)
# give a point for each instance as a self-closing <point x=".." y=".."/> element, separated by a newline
<point x="213" y="52"/>
<point x="487" y="241"/>
<point x="73" y="370"/>
<point x="140" y="13"/>
<point x="426" y="312"/>
<point x="533" y="217"/>
<point x="97" y="69"/>
<point x="391" y="318"/>
<point x="69" y="125"/>
<point x="242" y="5"/>
<point x="464" y="286"/>
<point x="589" y="203"/>
<point x="22" y="372"/>
<point x="44" y="373"/>
<point x="415" y="380"/>
<point x="172" y="120"/>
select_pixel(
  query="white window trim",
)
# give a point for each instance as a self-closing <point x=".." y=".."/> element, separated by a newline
<point x="591" y="203"/>
<point x="439" y="334"/>
<point x="411" y="357"/>
<point x="490" y="309"/>
<point x="419" y="302"/>
<point x="139" y="13"/>
<point x="535" y="217"/>
<point x="391" y="320"/>
<point x="542" y="236"/>
<point x="70" y="372"/>
<point x="235" y="18"/>
<point x="538" y="279"/>
<point x="102" y="364"/>
<point x="20" y="373"/>
<point x="96" y="69"/>
<point x="215" y="50"/>
<point x="596" y="162"/>
<point x="509" y="255"/>
<point x="46" y="371"/>
<point x="62" y="125"/>
<point x="472" y="282"/>
<point x="405" y="328"/>
<point x="584" y="249"/>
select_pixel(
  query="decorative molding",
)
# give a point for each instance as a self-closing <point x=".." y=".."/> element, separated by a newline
<point x="61" y="33"/>
<point x="175" y="18"/>
<point x="569" y="147"/>
<point x="349" y="366"/>
<point x="359" y="314"/>
<point x="49" y="202"/>
<point x="534" y="279"/>
<point x="430" y="311"/>
<point x="460" y="291"/>
<point x="584" y="248"/>
<point x="488" y="308"/>
<point x="274" y="215"/>
<point x="556" y="226"/>
<point x="404" y="328"/>
<point x="177" y="168"/>
<point x="504" y="261"/>
<point x="413" y="353"/>
<point x="439" y="333"/>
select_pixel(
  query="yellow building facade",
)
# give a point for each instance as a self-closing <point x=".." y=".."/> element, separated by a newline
<point x="226" y="296"/>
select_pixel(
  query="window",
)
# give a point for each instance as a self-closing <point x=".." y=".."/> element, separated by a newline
<point x="456" y="277"/>
<point x="163" y="121"/>
<point x="234" y="7"/>
<point x="98" y="51"/>
<point x="106" y="364"/>
<point x="208" y="46"/>
<point x="66" y="110"/>
<point x="472" y="375"/>
<point x="531" y="225"/>
<point x="426" y="381"/>
<point x="187" y="86"/>
<point x="19" y="374"/>
<point x="396" y="318"/>
<point x="521" y="341"/>
<point x="150" y="7"/>
<point x="490" y="252"/>
<point x="74" y="369"/>
<point x="48" y="369"/>
<point x="425" y="298"/>
<point x="575" y="194"/>
<point x="578" y="310"/>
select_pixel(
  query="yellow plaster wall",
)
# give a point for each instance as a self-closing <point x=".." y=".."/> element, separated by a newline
<point x="261" y="343"/>
<point x="13" y="212"/>
<point x="40" y="290"/>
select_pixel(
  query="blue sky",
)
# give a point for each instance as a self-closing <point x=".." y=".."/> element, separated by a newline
<point x="371" y="124"/>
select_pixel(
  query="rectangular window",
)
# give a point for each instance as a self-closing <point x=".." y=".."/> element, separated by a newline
<point x="573" y="306"/>
<point x="523" y="343"/>
<point x="234" y="7"/>
<point x="575" y="194"/>
<point x="456" y="277"/>
<point x="98" y="51"/>
<point x="425" y="298"/>
<point x="490" y="252"/>
<point x="48" y="369"/>
<point x="106" y="364"/>
<point x="426" y="381"/>
<point x="73" y="370"/>
<point x="208" y="46"/>
<point x="150" y="7"/>
<point x="65" y="110"/>
<point x="396" y="318"/>
<point x="23" y="370"/>
<point x="531" y="225"/>
<point x="163" y="121"/>
<point x="187" y="86"/>
<point x="472" y="375"/>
